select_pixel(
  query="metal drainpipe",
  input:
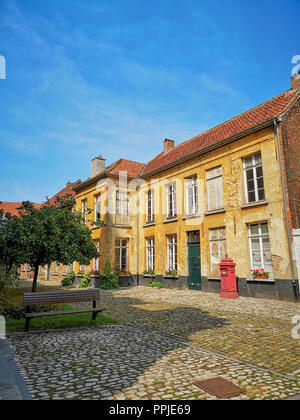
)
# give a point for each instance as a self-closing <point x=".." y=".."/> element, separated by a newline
<point x="138" y="234"/>
<point x="286" y="209"/>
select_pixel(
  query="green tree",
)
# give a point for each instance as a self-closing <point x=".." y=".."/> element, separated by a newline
<point x="55" y="232"/>
<point x="11" y="247"/>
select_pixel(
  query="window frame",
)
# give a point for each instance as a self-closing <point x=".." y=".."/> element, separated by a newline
<point x="215" y="179"/>
<point x="123" y="217"/>
<point x="150" y="199"/>
<point x="218" y="240"/>
<point x="260" y="236"/>
<point x="97" y="207"/>
<point x="171" y="200"/>
<point x="254" y="168"/>
<point x="172" y="261"/>
<point x="195" y="196"/>
<point x="84" y="211"/>
<point x="150" y="253"/>
<point x="120" y="247"/>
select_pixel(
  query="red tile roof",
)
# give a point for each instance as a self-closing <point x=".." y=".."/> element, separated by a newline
<point x="68" y="190"/>
<point x="133" y="169"/>
<point x="245" y="121"/>
<point x="12" y="208"/>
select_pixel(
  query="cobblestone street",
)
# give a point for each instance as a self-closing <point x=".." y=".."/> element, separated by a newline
<point x="168" y="339"/>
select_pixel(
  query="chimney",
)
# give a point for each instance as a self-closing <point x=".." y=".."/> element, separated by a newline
<point x="168" y="145"/>
<point x="296" y="80"/>
<point x="98" y="164"/>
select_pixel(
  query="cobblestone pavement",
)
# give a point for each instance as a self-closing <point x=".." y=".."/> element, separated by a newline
<point x="168" y="339"/>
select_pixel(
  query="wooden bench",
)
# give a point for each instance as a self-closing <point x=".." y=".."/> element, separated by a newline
<point x="48" y="298"/>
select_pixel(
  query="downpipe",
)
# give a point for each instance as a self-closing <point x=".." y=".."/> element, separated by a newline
<point x="286" y="209"/>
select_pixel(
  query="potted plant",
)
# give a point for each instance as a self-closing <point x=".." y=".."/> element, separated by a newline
<point x="260" y="274"/>
<point x="94" y="273"/>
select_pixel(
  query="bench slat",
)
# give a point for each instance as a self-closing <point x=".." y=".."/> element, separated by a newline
<point x="41" y="314"/>
<point x="61" y="297"/>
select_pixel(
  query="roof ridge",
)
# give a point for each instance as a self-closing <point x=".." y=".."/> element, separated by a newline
<point x="235" y="117"/>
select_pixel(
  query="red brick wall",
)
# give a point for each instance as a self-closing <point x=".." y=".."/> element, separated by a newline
<point x="290" y="132"/>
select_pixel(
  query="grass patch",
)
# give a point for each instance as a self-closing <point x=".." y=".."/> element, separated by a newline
<point x="59" y="321"/>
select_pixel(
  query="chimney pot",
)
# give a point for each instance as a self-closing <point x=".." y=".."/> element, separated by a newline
<point x="168" y="145"/>
<point x="295" y="80"/>
<point x="98" y="165"/>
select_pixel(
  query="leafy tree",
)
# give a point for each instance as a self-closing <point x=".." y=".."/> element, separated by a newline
<point x="55" y="232"/>
<point x="11" y="247"/>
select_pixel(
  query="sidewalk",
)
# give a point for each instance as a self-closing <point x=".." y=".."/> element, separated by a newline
<point x="12" y="386"/>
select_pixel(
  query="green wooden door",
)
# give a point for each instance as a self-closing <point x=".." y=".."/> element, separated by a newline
<point x="194" y="266"/>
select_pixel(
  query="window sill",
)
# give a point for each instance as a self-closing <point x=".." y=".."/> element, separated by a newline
<point x="122" y="226"/>
<point x="255" y="204"/>
<point x="171" y="277"/>
<point x="212" y="278"/>
<point x="193" y="216"/>
<point x="170" y="220"/>
<point x="96" y="227"/>
<point x="211" y="212"/>
<point x="260" y="280"/>
<point x="148" y="276"/>
<point x="149" y="224"/>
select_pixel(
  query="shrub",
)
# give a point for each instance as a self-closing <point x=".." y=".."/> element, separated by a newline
<point x="157" y="284"/>
<point x="110" y="280"/>
<point x="68" y="280"/>
<point x="85" y="282"/>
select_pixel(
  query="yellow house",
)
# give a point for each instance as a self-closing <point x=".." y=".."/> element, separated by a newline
<point x="109" y="195"/>
<point x="234" y="189"/>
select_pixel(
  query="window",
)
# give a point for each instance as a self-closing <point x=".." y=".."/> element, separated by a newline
<point x="172" y="252"/>
<point x="96" y="260"/>
<point x="67" y="268"/>
<point x="260" y="251"/>
<point x="84" y="211"/>
<point x="121" y="254"/>
<point x="214" y="182"/>
<point x="56" y="268"/>
<point x="122" y="206"/>
<point x="149" y="206"/>
<point x="254" y="180"/>
<point x="217" y="238"/>
<point x="97" y="207"/>
<point x="171" y="200"/>
<point x="194" y="237"/>
<point x="191" y="194"/>
<point x="150" y="254"/>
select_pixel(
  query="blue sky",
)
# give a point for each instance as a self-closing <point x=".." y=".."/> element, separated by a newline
<point x="116" y="77"/>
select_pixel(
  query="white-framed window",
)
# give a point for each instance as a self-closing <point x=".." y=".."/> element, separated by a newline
<point x="82" y="267"/>
<point x="254" y="180"/>
<point x="171" y="200"/>
<point x="191" y="196"/>
<point x="150" y="254"/>
<point x="56" y="268"/>
<point x="214" y="183"/>
<point x="150" y="206"/>
<point x="217" y="242"/>
<point x="67" y="269"/>
<point x="122" y="207"/>
<point x="260" y="250"/>
<point x="96" y="261"/>
<point x="97" y="208"/>
<point x="84" y="211"/>
<point x="121" y="254"/>
<point x="172" y="252"/>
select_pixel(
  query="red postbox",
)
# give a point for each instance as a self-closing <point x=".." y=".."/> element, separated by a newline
<point x="228" y="279"/>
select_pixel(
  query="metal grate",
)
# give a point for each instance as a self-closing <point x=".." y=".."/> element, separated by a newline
<point x="219" y="387"/>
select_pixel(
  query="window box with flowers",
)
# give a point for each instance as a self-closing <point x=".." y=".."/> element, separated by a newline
<point x="124" y="272"/>
<point x="260" y="274"/>
<point x="171" y="273"/>
<point x="94" y="273"/>
<point x="149" y="273"/>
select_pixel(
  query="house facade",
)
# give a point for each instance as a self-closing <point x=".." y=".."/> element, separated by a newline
<point x="234" y="189"/>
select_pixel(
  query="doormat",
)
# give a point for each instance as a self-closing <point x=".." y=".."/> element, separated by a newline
<point x="219" y="387"/>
